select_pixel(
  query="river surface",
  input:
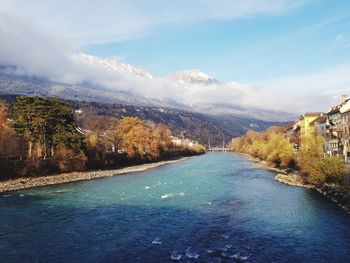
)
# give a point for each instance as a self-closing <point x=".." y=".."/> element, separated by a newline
<point x="211" y="208"/>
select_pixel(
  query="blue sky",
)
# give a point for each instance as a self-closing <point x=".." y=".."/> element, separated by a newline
<point x="311" y="37"/>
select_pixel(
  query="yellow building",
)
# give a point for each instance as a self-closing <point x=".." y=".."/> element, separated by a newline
<point x="306" y="123"/>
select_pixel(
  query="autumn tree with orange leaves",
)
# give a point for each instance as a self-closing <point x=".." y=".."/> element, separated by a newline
<point x="140" y="144"/>
<point x="7" y="140"/>
<point x="137" y="139"/>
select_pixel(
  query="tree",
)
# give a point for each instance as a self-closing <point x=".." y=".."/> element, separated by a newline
<point x="271" y="146"/>
<point x="128" y="123"/>
<point x="69" y="160"/>
<point x="46" y="123"/>
<point x="139" y="143"/>
<point x="279" y="151"/>
<point x="113" y="134"/>
<point x="162" y="133"/>
<point x="334" y="169"/>
<point x="6" y="133"/>
<point x="311" y="158"/>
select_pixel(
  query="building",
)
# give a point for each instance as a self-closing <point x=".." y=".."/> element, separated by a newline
<point x="176" y="140"/>
<point x="183" y="142"/>
<point x="307" y="126"/>
<point x="193" y="144"/>
<point x="293" y="134"/>
<point x="336" y="128"/>
<point x="321" y="126"/>
<point x="345" y="132"/>
<point x="289" y="130"/>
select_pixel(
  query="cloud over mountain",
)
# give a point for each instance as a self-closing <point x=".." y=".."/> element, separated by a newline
<point x="50" y="47"/>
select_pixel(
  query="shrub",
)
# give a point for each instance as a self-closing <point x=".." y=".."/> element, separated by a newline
<point x="270" y="145"/>
<point x="334" y="169"/>
<point x="69" y="160"/>
<point x="311" y="158"/>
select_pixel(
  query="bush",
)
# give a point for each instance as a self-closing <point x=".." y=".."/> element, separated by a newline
<point x="69" y="160"/>
<point x="311" y="158"/>
<point x="271" y="146"/>
<point x="334" y="169"/>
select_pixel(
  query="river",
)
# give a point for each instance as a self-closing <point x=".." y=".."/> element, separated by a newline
<point x="212" y="208"/>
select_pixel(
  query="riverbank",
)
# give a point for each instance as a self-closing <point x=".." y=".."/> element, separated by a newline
<point x="338" y="194"/>
<point x="31" y="182"/>
<point x="263" y="164"/>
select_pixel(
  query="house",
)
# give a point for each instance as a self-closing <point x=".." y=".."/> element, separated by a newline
<point x="293" y="134"/>
<point x="336" y="127"/>
<point x="321" y="125"/>
<point x="345" y="132"/>
<point x="183" y="142"/>
<point x="289" y="130"/>
<point x="192" y="144"/>
<point x="176" y="140"/>
<point x="306" y="123"/>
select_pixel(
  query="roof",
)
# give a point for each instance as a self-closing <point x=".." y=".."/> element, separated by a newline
<point x="334" y="110"/>
<point x="290" y="126"/>
<point x="321" y="119"/>
<point x="346" y="112"/>
<point x="313" y="114"/>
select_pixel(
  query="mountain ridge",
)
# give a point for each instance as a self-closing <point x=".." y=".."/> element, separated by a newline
<point x="189" y="82"/>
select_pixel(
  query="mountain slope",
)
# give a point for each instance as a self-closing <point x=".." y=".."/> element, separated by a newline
<point x="114" y="64"/>
<point x="12" y="84"/>
<point x="190" y="90"/>
<point x="194" y="125"/>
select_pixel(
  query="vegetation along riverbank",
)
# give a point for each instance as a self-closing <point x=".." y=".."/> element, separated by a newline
<point x="308" y="167"/>
<point x="42" y="136"/>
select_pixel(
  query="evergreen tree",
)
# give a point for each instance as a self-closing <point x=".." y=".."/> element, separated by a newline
<point x="46" y="123"/>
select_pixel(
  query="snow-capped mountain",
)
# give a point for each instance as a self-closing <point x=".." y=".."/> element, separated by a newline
<point x="123" y="83"/>
<point x="192" y="77"/>
<point x="114" y="65"/>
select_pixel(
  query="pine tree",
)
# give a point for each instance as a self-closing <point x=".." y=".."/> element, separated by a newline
<point x="45" y="123"/>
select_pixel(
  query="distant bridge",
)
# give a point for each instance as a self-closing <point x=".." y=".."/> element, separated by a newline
<point x="217" y="149"/>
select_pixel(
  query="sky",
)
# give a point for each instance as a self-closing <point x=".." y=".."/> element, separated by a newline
<point x="286" y="55"/>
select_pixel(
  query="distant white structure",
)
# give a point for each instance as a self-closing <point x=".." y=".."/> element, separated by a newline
<point x="176" y="140"/>
<point x="193" y="144"/>
<point x="183" y="142"/>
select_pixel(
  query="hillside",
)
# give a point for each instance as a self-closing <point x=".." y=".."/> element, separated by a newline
<point x="197" y="126"/>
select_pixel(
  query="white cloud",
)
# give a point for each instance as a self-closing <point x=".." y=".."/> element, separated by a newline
<point x="31" y="49"/>
<point x="315" y="91"/>
<point x="340" y="38"/>
<point x="37" y="50"/>
<point x="86" y="22"/>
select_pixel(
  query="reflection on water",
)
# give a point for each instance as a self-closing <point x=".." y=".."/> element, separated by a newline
<point x="212" y="208"/>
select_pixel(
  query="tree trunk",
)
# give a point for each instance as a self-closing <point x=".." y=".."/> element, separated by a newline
<point x="30" y="149"/>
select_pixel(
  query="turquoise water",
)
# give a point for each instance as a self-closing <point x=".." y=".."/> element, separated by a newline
<point x="211" y="208"/>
